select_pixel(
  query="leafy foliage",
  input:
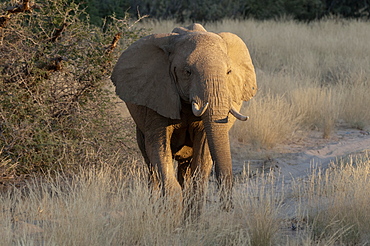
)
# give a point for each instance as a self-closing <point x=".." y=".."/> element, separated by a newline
<point x="53" y="108"/>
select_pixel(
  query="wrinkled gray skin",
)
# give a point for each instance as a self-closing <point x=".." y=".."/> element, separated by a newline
<point x="168" y="79"/>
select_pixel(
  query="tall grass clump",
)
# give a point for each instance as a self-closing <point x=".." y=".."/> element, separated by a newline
<point x="354" y="104"/>
<point x="54" y="111"/>
<point x="317" y="107"/>
<point x="261" y="205"/>
<point x="272" y="121"/>
<point x="336" y="202"/>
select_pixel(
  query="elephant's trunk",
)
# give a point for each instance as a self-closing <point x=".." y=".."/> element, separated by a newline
<point x="219" y="145"/>
<point x="216" y="125"/>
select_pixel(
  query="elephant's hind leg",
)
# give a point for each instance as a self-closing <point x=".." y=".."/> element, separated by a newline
<point x="200" y="168"/>
<point x="183" y="157"/>
<point x="183" y="172"/>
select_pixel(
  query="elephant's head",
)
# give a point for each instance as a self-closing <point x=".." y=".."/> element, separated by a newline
<point x="213" y="72"/>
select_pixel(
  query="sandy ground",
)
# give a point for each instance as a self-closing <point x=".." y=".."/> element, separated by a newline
<point x="294" y="159"/>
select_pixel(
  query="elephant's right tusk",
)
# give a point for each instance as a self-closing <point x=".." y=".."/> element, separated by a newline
<point x="198" y="111"/>
<point x="238" y="115"/>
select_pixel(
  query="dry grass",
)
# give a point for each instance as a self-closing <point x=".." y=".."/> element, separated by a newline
<point x="104" y="206"/>
<point x="107" y="206"/>
<point x="271" y="121"/>
<point x="336" y="202"/>
<point x="310" y="76"/>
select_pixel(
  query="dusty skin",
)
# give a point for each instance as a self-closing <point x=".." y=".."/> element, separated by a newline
<point x="184" y="90"/>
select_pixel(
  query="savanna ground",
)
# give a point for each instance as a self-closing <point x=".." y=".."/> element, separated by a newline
<point x="301" y="167"/>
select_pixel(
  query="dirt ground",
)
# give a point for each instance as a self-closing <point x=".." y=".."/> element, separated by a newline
<point x="294" y="159"/>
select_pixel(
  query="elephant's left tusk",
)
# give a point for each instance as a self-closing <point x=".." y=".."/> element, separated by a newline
<point x="198" y="111"/>
<point x="238" y="115"/>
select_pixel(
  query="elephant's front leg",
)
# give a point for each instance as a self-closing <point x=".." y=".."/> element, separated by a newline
<point x="153" y="177"/>
<point x="200" y="168"/>
<point x="201" y="163"/>
<point x="153" y="136"/>
<point x="158" y="150"/>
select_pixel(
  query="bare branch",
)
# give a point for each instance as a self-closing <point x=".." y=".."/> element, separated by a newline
<point x="4" y="20"/>
<point x="24" y="7"/>
<point x="114" y="43"/>
<point x="58" y="32"/>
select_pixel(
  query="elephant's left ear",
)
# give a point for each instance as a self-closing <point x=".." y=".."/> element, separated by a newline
<point x="244" y="84"/>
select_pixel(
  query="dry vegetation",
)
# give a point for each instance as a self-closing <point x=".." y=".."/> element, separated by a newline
<point x="54" y="111"/>
<point x="108" y="206"/>
<point x="311" y="76"/>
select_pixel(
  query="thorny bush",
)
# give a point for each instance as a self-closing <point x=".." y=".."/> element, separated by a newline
<point x="53" y="108"/>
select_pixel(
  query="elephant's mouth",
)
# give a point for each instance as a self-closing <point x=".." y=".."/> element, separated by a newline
<point x="199" y="111"/>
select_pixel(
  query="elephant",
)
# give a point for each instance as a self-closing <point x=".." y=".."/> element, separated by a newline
<point x="181" y="89"/>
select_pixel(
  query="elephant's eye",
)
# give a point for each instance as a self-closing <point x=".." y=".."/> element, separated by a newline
<point x="187" y="72"/>
<point x="228" y="71"/>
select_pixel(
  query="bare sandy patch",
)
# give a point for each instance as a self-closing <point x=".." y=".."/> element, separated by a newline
<point x="295" y="158"/>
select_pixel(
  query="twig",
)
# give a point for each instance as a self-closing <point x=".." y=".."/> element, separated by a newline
<point x="58" y="32"/>
<point x="4" y="20"/>
<point x="114" y="43"/>
<point x="1" y="36"/>
<point x="24" y="7"/>
<point x="56" y="64"/>
<point x="139" y="17"/>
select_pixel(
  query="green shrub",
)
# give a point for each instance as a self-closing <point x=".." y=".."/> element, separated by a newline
<point x="53" y="108"/>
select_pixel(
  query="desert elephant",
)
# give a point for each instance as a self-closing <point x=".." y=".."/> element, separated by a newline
<point x="184" y="90"/>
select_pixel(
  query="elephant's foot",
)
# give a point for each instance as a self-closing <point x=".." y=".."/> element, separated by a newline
<point x="226" y="199"/>
<point x="173" y="199"/>
<point x="194" y="198"/>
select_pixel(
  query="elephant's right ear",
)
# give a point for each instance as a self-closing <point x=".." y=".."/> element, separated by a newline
<point x="142" y="76"/>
